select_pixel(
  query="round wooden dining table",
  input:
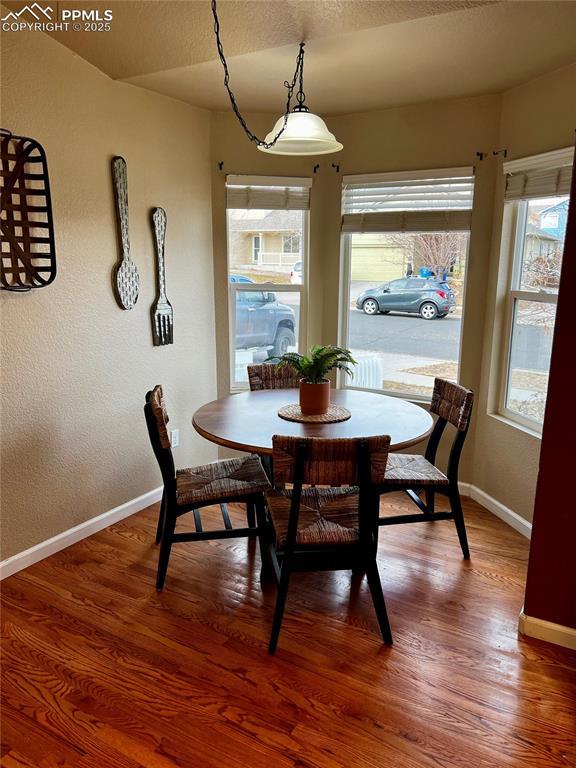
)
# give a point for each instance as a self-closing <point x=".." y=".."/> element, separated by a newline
<point x="248" y="420"/>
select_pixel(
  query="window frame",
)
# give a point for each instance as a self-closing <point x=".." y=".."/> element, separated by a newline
<point x="235" y="288"/>
<point x="412" y="220"/>
<point x="517" y="213"/>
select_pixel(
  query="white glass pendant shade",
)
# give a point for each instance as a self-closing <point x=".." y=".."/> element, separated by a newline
<point x="305" y="134"/>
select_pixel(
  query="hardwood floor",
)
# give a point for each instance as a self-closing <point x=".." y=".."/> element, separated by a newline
<point x="101" y="670"/>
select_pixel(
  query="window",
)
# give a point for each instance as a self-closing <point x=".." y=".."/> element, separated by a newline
<point x="549" y="220"/>
<point x="405" y="244"/>
<point x="536" y="210"/>
<point x="291" y="243"/>
<point x="267" y="221"/>
<point x="256" y="240"/>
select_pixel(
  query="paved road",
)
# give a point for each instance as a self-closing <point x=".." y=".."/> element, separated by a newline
<point x="410" y="335"/>
<point x="406" y="334"/>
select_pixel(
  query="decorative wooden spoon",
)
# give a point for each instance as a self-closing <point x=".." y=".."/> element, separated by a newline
<point x="126" y="279"/>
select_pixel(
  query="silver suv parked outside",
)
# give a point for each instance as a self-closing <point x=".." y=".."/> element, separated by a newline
<point x="425" y="296"/>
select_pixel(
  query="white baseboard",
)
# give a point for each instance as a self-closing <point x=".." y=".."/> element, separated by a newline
<point x="62" y="540"/>
<point x="46" y="548"/>
<point x="513" y="519"/>
<point x="548" y="631"/>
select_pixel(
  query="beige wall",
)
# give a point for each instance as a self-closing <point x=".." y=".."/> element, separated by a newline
<point x="75" y="366"/>
<point x="538" y="116"/>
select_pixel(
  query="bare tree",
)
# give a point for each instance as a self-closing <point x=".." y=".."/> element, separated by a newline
<point x="438" y="251"/>
<point x="542" y="269"/>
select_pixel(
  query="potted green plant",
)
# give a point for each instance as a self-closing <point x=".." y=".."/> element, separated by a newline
<point x="313" y="368"/>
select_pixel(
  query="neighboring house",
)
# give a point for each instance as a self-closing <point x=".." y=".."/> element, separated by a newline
<point x="553" y="219"/>
<point x="542" y="257"/>
<point x="539" y="242"/>
<point x="273" y="240"/>
<point x="266" y="238"/>
<point x="375" y="258"/>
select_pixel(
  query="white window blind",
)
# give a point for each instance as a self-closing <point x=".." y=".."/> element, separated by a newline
<point x="420" y="201"/>
<point x="546" y="175"/>
<point x="268" y="193"/>
<point x="408" y="221"/>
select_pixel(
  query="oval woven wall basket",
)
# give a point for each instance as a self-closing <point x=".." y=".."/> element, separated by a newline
<point x="28" y="250"/>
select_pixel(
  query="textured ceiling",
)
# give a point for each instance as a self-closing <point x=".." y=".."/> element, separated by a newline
<point x="359" y="55"/>
<point x="154" y="35"/>
<point x="481" y="50"/>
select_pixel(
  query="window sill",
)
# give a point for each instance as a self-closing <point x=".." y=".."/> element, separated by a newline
<point x="516" y="425"/>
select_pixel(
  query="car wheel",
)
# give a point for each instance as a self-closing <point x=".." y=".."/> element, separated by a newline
<point x="284" y="339"/>
<point x="428" y="310"/>
<point x="370" y="307"/>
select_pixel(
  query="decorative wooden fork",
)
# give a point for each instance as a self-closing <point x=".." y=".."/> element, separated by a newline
<point x="162" y="312"/>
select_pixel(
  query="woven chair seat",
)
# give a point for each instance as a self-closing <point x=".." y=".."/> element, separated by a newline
<point x="327" y="516"/>
<point x="412" y="469"/>
<point x="222" y="479"/>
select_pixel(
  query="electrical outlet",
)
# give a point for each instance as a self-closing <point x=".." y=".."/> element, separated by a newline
<point x="174" y="438"/>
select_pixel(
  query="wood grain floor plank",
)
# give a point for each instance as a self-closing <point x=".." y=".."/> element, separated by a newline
<point x="14" y="759"/>
<point x="101" y="670"/>
<point x="29" y="739"/>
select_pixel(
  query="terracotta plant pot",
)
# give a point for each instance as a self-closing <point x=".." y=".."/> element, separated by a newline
<point x="314" y="398"/>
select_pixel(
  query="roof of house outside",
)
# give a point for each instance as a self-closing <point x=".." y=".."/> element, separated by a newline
<point x="562" y="205"/>
<point x="271" y="221"/>
<point x="533" y="231"/>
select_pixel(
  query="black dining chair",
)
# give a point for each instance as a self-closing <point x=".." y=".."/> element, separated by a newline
<point x="272" y="376"/>
<point x="416" y="474"/>
<point x="324" y="528"/>
<point x="239" y="480"/>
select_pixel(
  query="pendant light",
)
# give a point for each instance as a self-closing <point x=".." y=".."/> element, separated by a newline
<point x="298" y="132"/>
<point x="301" y="132"/>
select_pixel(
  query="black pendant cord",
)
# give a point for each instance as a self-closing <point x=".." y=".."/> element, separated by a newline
<point x="298" y="78"/>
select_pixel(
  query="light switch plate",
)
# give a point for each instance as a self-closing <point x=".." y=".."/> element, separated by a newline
<point x="174" y="438"/>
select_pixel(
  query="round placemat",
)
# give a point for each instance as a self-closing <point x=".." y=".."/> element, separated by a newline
<point x="334" y="414"/>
